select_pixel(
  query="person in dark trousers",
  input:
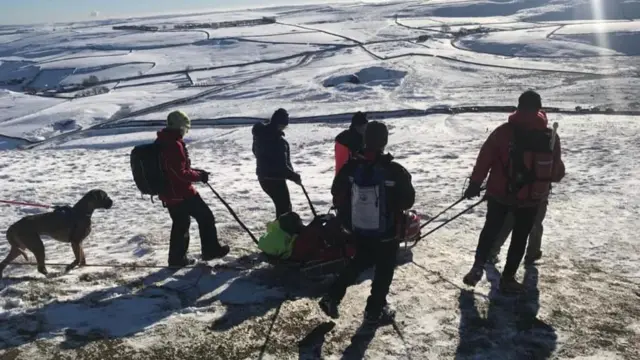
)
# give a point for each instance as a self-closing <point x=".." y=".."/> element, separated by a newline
<point x="350" y="142"/>
<point x="273" y="160"/>
<point x="522" y="166"/>
<point x="534" y="245"/>
<point x="181" y="198"/>
<point x="371" y="194"/>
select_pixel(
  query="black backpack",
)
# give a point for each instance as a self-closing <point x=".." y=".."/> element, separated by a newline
<point x="146" y="166"/>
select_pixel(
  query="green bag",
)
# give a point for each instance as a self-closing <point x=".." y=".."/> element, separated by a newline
<point x="276" y="242"/>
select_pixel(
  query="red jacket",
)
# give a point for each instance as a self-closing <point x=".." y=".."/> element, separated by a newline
<point x="494" y="156"/>
<point x="177" y="168"/>
<point x="348" y="144"/>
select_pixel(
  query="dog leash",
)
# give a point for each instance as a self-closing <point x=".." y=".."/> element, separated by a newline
<point x="11" y="202"/>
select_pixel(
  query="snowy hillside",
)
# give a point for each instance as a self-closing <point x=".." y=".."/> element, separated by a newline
<point x="75" y="98"/>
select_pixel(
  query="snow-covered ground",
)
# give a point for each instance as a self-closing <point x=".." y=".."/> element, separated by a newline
<point x="583" y="298"/>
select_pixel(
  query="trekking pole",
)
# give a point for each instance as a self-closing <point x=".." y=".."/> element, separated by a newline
<point x="445" y="210"/>
<point x="233" y="213"/>
<point x="313" y="210"/>
<point x="453" y="218"/>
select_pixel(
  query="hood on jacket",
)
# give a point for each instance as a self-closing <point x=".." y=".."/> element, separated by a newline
<point x="358" y="119"/>
<point x="169" y="135"/>
<point x="261" y="129"/>
<point x="280" y="117"/>
<point x="529" y="119"/>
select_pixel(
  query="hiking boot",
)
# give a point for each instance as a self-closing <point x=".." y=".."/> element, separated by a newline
<point x="183" y="263"/>
<point x="510" y="286"/>
<point x="384" y="317"/>
<point x="530" y="260"/>
<point x="474" y="276"/>
<point x="329" y="307"/>
<point x="220" y="253"/>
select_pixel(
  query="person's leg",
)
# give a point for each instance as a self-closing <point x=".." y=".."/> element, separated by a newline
<point x="179" y="241"/>
<point x="385" y="261"/>
<point x="534" y="247"/>
<point x="283" y="205"/>
<point x="210" y="246"/>
<point x="496" y="214"/>
<point x="494" y="221"/>
<point x="524" y="219"/>
<point x="279" y="194"/>
<point x="363" y="259"/>
<point x="502" y="238"/>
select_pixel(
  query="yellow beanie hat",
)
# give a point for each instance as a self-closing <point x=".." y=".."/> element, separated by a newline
<point x="178" y="120"/>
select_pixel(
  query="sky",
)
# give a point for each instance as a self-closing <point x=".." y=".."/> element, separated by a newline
<point x="37" y="11"/>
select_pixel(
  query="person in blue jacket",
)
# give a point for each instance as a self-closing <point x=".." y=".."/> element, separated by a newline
<point x="273" y="160"/>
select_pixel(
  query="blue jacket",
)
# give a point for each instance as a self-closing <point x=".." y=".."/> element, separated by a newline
<point x="273" y="159"/>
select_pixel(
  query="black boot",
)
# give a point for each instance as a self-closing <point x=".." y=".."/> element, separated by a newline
<point x="329" y="306"/>
<point x="384" y="317"/>
<point x="186" y="261"/>
<point x="474" y="275"/>
<point x="530" y="260"/>
<point x="221" y="252"/>
<point x="509" y="286"/>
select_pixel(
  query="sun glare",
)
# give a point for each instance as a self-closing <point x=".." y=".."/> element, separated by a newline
<point x="601" y="37"/>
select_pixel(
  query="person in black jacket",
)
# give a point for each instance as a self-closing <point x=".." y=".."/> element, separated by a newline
<point x="371" y="194"/>
<point x="273" y="160"/>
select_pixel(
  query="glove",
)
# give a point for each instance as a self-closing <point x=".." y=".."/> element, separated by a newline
<point x="204" y="176"/>
<point x="473" y="190"/>
<point x="296" y="178"/>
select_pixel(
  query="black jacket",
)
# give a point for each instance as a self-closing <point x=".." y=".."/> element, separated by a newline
<point x="400" y="192"/>
<point x="352" y="139"/>
<point x="272" y="153"/>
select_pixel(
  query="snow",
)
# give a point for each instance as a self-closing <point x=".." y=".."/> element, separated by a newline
<point x="582" y="299"/>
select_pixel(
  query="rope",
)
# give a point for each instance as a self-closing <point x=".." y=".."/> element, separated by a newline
<point x="12" y="202"/>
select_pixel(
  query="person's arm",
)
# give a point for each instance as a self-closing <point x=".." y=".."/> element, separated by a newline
<point x="405" y="193"/>
<point x="279" y="160"/>
<point x="485" y="158"/>
<point x="290" y="173"/>
<point x="341" y="186"/>
<point x="175" y="161"/>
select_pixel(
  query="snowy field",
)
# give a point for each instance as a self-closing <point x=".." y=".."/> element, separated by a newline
<point x="320" y="62"/>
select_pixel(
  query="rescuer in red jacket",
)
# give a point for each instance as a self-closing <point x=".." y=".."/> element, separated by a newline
<point x="522" y="161"/>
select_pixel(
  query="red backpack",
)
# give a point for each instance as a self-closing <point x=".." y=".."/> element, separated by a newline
<point x="530" y="166"/>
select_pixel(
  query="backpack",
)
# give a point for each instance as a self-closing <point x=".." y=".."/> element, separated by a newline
<point x="369" y="216"/>
<point x="146" y="166"/>
<point x="530" y="166"/>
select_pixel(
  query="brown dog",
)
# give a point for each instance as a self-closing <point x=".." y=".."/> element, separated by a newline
<point x="67" y="224"/>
